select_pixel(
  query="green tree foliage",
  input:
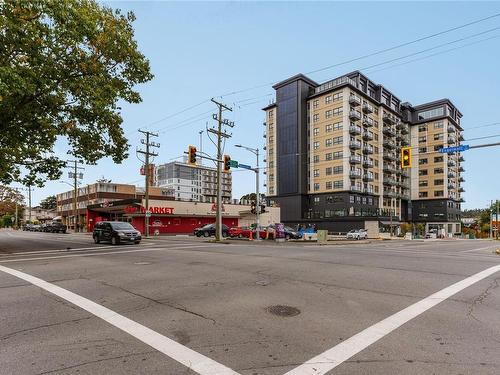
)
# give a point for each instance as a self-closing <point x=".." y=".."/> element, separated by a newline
<point x="8" y="199"/>
<point x="6" y="221"/>
<point x="49" y="203"/>
<point x="64" y="67"/>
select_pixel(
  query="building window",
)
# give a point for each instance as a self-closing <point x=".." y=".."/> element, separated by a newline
<point x="315" y="117"/>
<point x="337" y="96"/>
<point x="422" y="150"/>
<point x="423" y="183"/>
<point x="316" y="145"/>
<point x="338" y="155"/>
<point x="328" y="113"/>
<point x="422" y="128"/>
<point x="423" y="194"/>
<point x="338" y="111"/>
<point x="316" y="200"/>
<point x="328" y="99"/>
<point x="328" y="171"/>
<point x="422" y="161"/>
<point x="431" y="113"/>
<point x="439" y="182"/>
<point x="438" y="125"/>
<point x="316" y="186"/>
<point x="439" y="193"/>
<point x="438" y="159"/>
<point x="316" y="173"/>
<point x="315" y="103"/>
<point x="337" y="140"/>
<point x="316" y="132"/>
<point x="328" y="142"/>
<point x="338" y="169"/>
<point x="438" y="137"/>
<point x="422" y="172"/>
<point x="328" y="185"/>
<point x="338" y="184"/>
<point x="351" y="198"/>
<point x="422" y="139"/>
<point x="316" y="158"/>
<point x="337" y="126"/>
<point x="438" y="170"/>
<point x="438" y="147"/>
<point x="328" y="128"/>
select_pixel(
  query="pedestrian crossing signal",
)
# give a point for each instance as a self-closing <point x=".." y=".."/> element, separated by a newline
<point x="406" y="157"/>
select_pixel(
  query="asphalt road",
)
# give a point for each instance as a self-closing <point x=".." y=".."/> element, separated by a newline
<point x="185" y="306"/>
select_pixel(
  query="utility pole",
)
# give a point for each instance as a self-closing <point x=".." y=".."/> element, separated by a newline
<point x="147" y="153"/>
<point x="220" y="134"/>
<point x="29" y="203"/>
<point x="201" y="145"/>
<point x="491" y="219"/>
<point x="76" y="176"/>
<point x="497" y="224"/>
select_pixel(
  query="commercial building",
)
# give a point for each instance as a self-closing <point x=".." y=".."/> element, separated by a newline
<point x="333" y="156"/>
<point x="38" y="214"/>
<point x="196" y="183"/>
<point x="101" y="193"/>
<point x="176" y="216"/>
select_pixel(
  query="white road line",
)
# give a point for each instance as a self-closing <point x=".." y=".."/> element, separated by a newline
<point x="481" y="248"/>
<point x="102" y="254"/>
<point x="182" y="354"/>
<point x="340" y="353"/>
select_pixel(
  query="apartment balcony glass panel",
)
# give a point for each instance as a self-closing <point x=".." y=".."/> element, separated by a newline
<point x="390" y="156"/>
<point x="389" y="181"/>
<point x="367" y="164"/>
<point x="355" y="145"/>
<point x="355" y="130"/>
<point x="388" y="118"/>
<point x="388" y="130"/>
<point x="404" y="130"/>
<point x="367" y="178"/>
<point x="367" y="108"/>
<point x="355" y="159"/>
<point x="405" y="141"/>
<point x="355" y="115"/>
<point x="356" y="189"/>
<point x="451" y="129"/>
<point x="367" y="136"/>
<point x="368" y="122"/>
<point x="389" y="144"/>
<point x="389" y="169"/>
<point x="354" y="174"/>
<point x="354" y="100"/>
<point x="367" y="150"/>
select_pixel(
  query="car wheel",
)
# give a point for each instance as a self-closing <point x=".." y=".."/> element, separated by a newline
<point x="287" y="237"/>
<point x="115" y="240"/>
<point x="206" y="234"/>
<point x="198" y="234"/>
<point x="96" y="239"/>
<point x="240" y="235"/>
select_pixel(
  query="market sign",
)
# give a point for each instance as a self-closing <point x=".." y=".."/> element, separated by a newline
<point x="152" y="210"/>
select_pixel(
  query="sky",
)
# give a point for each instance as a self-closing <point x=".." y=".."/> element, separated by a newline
<point x="200" y="50"/>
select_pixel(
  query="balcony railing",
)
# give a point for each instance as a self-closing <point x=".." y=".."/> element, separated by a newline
<point x="367" y="136"/>
<point x="367" y="108"/>
<point x="461" y="189"/>
<point x="451" y="163"/>
<point x="388" y="130"/>
<point x="452" y="175"/>
<point x="356" y="189"/>
<point x="389" y="144"/>
<point x="367" y="150"/>
<point x="390" y="156"/>
<point x="390" y="194"/>
<point x="461" y="169"/>
<point x="389" y="169"/>
<point x="354" y="130"/>
<point x="389" y="181"/>
<point x="355" y="144"/>
<point x="405" y="141"/>
<point x="354" y="100"/>
<point x="367" y="163"/>
<point x="451" y="129"/>
<point x="354" y="174"/>
<point x="355" y="115"/>
<point x="388" y="118"/>
<point x="404" y="130"/>
<point x="355" y="159"/>
<point x="451" y="140"/>
<point x="367" y="178"/>
<point x="368" y="122"/>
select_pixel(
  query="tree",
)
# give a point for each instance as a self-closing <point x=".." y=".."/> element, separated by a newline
<point x="6" y="221"/>
<point x="49" y="203"/>
<point x="248" y="197"/>
<point x="8" y="199"/>
<point x="64" y="65"/>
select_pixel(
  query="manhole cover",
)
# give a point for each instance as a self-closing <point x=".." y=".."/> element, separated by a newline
<point x="282" y="310"/>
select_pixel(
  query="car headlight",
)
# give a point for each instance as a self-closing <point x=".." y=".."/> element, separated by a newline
<point x="122" y="234"/>
<point x="138" y="233"/>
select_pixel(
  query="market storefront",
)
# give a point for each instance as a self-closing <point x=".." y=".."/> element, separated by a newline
<point x="173" y="217"/>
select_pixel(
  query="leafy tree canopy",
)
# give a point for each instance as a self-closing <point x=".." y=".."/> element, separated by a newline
<point x="64" y="65"/>
<point x="49" y="203"/>
<point x="8" y="199"/>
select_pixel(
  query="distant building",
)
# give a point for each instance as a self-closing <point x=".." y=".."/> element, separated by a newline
<point x="193" y="183"/>
<point x="102" y="193"/>
<point x="38" y="214"/>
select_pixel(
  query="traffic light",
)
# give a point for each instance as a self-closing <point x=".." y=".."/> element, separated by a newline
<point x="253" y="208"/>
<point x="192" y="155"/>
<point x="406" y="157"/>
<point x="227" y="163"/>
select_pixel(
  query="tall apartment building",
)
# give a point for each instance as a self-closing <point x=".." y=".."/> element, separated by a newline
<point x="196" y="183"/>
<point x="333" y="156"/>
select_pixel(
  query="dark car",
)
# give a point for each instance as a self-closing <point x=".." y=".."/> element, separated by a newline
<point x="209" y="230"/>
<point x="115" y="232"/>
<point x="55" y="227"/>
<point x="290" y="234"/>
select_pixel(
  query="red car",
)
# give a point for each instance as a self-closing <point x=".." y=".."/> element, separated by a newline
<point x="239" y="232"/>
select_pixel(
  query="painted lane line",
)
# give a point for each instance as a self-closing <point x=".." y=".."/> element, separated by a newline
<point x="340" y="353"/>
<point x="491" y="247"/>
<point x="182" y="354"/>
<point x="101" y="253"/>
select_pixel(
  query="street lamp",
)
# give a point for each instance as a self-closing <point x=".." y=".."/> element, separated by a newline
<point x="75" y="211"/>
<point x="255" y="151"/>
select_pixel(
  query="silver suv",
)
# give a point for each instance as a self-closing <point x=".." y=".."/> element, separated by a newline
<point x="357" y="234"/>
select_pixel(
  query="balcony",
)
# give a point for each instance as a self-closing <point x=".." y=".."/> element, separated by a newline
<point x="354" y="174"/>
<point x="355" y="145"/>
<point x="367" y="163"/>
<point x="461" y="158"/>
<point x="355" y="115"/>
<point x="405" y="185"/>
<point x="355" y="159"/>
<point x="389" y="181"/>
<point x="404" y="130"/>
<point x="461" y="190"/>
<point x="389" y="144"/>
<point x="367" y="136"/>
<point x="461" y="138"/>
<point x="451" y="163"/>
<point x="368" y="122"/>
<point x="389" y="130"/>
<point x="367" y="150"/>
<point x="388" y="118"/>
<point x="390" y="194"/>
<point x="389" y="169"/>
<point x="367" y="178"/>
<point x="355" y="130"/>
<point x="451" y="129"/>
<point x="405" y="197"/>
<point x="368" y="191"/>
<point x="264" y="135"/>
<point x="451" y="140"/>
<point x="390" y="156"/>
<point x="451" y="186"/>
<point x="367" y="108"/>
<point x="461" y="179"/>
<point x="356" y="189"/>
<point x="452" y="175"/>
<point x="461" y="169"/>
<point x="461" y="200"/>
<point x="354" y="100"/>
<point x="399" y="125"/>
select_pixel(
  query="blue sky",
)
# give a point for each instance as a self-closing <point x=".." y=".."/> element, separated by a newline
<point x="206" y="49"/>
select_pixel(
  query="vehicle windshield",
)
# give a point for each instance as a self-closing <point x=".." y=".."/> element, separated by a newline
<point x="122" y="226"/>
<point x="289" y="229"/>
<point x="208" y="226"/>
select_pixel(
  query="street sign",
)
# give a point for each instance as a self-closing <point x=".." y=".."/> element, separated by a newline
<point x="233" y="163"/>
<point x="244" y="166"/>
<point x="148" y="213"/>
<point x="447" y="150"/>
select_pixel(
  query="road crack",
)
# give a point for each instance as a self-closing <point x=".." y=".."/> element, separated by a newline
<point x="481" y="298"/>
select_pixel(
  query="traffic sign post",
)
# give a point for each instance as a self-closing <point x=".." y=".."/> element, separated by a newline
<point x="449" y="150"/>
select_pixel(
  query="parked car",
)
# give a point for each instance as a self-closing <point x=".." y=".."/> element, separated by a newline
<point x="35" y="228"/>
<point x="27" y="227"/>
<point x="116" y="232"/>
<point x="239" y="232"/>
<point x="357" y="234"/>
<point x="56" y="227"/>
<point x="290" y="234"/>
<point x="43" y="227"/>
<point x="209" y="230"/>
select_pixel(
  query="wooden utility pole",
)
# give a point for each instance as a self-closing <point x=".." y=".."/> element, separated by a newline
<point x="147" y="153"/>
<point x="220" y="133"/>
<point x="76" y="176"/>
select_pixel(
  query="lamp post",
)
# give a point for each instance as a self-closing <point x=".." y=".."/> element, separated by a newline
<point x="75" y="203"/>
<point x="255" y="151"/>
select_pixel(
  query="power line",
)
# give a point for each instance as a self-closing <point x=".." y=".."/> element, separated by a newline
<point x="371" y="54"/>
<point x="483" y="126"/>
